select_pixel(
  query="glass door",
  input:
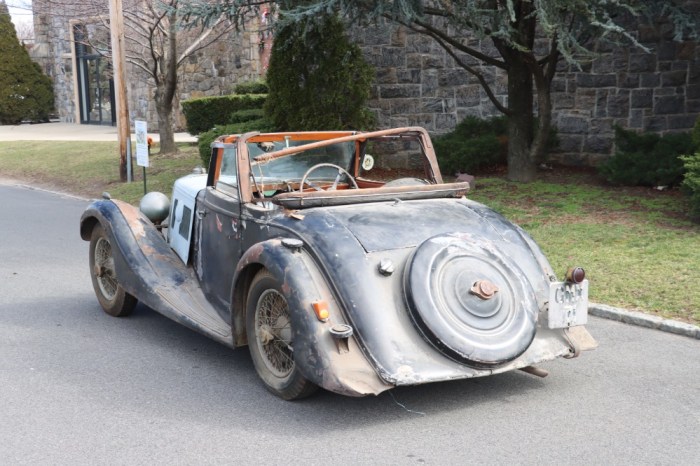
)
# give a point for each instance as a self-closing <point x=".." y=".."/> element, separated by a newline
<point x="95" y="83"/>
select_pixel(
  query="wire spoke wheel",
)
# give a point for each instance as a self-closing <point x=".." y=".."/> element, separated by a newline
<point x="269" y="326"/>
<point x="112" y="297"/>
<point x="274" y="333"/>
<point x="104" y="269"/>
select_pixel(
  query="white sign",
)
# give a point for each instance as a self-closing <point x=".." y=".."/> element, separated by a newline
<point x="141" y="143"/>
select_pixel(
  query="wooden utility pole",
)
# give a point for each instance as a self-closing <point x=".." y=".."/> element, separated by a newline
<point x="116" y="27"/>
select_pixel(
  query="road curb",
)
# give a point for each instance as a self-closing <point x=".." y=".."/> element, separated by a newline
<point x="644" y="320"/>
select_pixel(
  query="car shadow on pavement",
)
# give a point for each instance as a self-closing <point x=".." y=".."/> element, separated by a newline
<point x="210" y="383"/>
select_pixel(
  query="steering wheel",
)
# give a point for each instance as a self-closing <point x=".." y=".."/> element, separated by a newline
<point x="341" y="171"/>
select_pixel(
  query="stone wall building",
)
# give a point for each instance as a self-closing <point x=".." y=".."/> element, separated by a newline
<point x="81" y="73"/>
<point x="418" y="83"/>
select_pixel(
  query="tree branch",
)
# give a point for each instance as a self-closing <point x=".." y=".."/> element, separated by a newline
<point x="489" y="92"/>
<point x="434" y="32"/>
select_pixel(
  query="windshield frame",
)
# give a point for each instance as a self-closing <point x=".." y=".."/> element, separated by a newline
<point x="247" y="184"/>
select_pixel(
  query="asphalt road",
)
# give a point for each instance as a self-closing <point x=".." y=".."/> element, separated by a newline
<point x="80" y="387"/>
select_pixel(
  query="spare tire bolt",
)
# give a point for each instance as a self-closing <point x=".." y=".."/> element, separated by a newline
<point x="484" y="289"/>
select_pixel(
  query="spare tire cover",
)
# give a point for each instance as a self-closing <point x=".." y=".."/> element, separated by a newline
<point x="473" y="330"/>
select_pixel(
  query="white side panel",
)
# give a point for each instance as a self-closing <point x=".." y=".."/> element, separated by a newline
<point x="182" y="213"/>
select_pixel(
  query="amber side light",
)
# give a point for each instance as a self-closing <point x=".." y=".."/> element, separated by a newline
<point x="321" y="310"/>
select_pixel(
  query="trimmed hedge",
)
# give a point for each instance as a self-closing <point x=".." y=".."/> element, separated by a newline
<point x="205" y="113"/>
<point x="205" y="139"/>
<point x="252" y="87"/>
<point x="246" y="115"/>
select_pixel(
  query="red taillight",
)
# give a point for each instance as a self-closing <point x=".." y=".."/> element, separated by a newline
<point x="575" y="275"/>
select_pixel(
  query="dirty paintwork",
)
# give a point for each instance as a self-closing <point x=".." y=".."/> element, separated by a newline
<point x="417" y="282"/>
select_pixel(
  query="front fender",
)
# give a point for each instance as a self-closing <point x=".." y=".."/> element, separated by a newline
<point x="134" y="237"/>
<point x="148" y="269"/>
<point x="316" y="352"/>
<point x="120" y="222"/>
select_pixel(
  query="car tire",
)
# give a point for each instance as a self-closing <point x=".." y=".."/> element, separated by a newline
<point x="270" y="334"/>
<point x="114" y="300"/>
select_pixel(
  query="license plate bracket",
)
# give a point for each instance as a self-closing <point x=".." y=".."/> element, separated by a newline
<point x="568" y="304"/>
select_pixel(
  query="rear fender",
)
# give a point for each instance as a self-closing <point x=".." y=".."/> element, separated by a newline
<point x="316" y="352"/>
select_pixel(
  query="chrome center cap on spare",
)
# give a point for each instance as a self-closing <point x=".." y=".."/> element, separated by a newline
<point x="484" y="289"/>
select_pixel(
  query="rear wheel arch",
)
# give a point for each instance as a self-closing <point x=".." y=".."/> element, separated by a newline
<point x="240" y="288"/>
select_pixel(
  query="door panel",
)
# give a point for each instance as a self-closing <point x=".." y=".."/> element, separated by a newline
<point x="218" y="246"/>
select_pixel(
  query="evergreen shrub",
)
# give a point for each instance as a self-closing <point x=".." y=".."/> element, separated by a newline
<point x="691" y="179"/>
<point x="318" y="79"/>
<point x="691" y="183"/>
<point x="26" y="93"/>
<point x="647" y="159"/>
<point x="473" y="144"/>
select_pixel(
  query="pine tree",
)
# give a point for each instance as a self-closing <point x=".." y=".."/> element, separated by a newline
<point x="25" y="92"/>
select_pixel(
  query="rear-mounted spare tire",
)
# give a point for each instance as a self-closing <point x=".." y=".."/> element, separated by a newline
<point x="470" y="301"/>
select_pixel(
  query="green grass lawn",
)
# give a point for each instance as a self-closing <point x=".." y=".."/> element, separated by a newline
<point x="638" y="247"/>
<point x="639" y="250"/>
<point x="90" y="168"/>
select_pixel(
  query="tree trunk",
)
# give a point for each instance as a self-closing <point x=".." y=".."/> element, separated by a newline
<point x="166" y="87"/>
<point x="164" y="108"/>
<point x="538" y="151"/>
<point x="521" y="166"/>
<point x="165" y="132"/>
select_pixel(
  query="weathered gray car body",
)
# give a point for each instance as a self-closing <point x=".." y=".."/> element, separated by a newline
<point x="393" y="263"/>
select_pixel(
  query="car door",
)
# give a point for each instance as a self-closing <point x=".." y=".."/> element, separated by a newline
<point x="218" y="244"/>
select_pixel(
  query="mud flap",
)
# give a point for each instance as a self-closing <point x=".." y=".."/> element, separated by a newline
<point x="581" y="338"/>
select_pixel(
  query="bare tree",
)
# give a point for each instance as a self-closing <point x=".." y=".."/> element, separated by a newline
<point x="157" y="44"/>
<point x="23" y="20"/>
<point x="25" y="31"/>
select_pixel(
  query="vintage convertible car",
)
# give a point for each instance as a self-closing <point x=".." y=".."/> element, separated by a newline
<point x="343" y="261"/>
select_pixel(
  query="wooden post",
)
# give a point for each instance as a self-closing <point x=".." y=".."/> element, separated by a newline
<point x="116" y="21"/>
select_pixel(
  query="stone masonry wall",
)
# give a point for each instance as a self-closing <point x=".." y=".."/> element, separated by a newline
<point x="54" y="56"/>
<point x="212" y="71"/>
<point x="418" y="83"/>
